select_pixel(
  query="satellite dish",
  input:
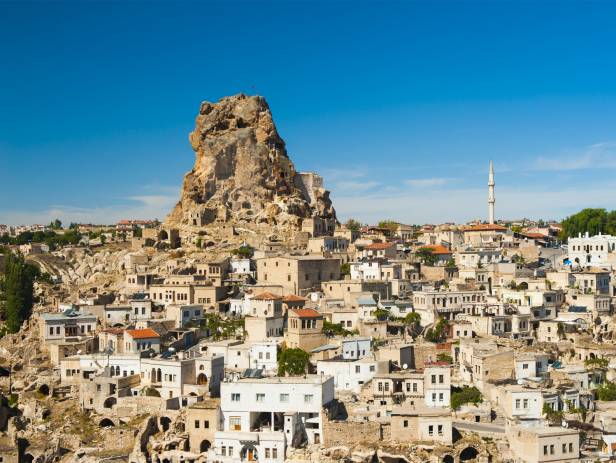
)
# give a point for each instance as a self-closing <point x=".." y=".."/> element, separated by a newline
<point x="405" y="366"/>
<point x="171" y="349"/>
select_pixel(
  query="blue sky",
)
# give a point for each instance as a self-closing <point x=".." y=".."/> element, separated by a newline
<point x="398" y="105"/>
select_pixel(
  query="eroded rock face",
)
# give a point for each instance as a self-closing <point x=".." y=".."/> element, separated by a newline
<point x="242" y="175"/>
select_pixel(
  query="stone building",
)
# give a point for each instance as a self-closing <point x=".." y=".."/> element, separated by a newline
<point x="297" y="274"/>
<point x="304" y="329"/>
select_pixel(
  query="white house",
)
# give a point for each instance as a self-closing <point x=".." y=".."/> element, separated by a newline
<point x="598" y="250"/>
<point x="261" y="417"/>
<point x="351" y="375"/>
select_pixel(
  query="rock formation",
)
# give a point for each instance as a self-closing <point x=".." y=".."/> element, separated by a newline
<point x="243" y="179"/>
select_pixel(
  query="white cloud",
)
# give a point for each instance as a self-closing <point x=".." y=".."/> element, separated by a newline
<point x="427" y="182"/>
<point x="462" y="205"/>
<point x="597" y="156"/>
<point x="134" y="207"/>
<point x="353" y="186"/>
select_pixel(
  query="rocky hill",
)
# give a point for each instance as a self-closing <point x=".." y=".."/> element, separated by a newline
<point x="243" y="179"/>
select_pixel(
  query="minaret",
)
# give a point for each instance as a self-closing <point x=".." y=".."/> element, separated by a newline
<point x="491" y="194"/>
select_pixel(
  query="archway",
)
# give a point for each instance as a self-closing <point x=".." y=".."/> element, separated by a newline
<point x="44" y="389"/>
<point x="448" y="459"/>
<point x="205" y="446"/>
<point x="469" y="453"/>
<point x="201" y="379"/>
<point x="165" y="422"/>
<point x="163" y="235"/>
<point x="110" y="402"/>
<point x="28" y="458"/>
<point x="249" y="453"/>
<point x="106" y="423"/>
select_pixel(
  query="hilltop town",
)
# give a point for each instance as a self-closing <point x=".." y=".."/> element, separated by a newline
<point x="251" y="324"/>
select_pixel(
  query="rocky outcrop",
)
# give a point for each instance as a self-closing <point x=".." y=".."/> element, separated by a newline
<point x="243" y="177"/>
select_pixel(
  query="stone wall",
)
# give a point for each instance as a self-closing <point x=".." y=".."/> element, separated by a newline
<point x="370" y="433"/>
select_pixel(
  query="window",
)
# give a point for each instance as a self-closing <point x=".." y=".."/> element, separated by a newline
<point x="230" y="451"/>
<point x="223" y="451"/>
<point x="414" y="387"/>
<point x="441" y="379"/>
<point x="525" y="366"/>
<point x="235" y="423"/>
<point x="267" y="453"/>
<point x="371" y="368"/>
<point x="440" y="397"/>
<point x="235" y="397"/>
<point x="274" y="453"/>
<point x="440" y="429"/>
<point x="197" y="424"/>
<point x="433" y="379"/>
<point x="308" y="398"/>
<point x="564" y="448"/>
<point x="260" y="398"/>
<point x="525" y="403"/>
<point x="545" y="449"/>
<point x="380" y="384"/>
<point x="405" y="423"/>
<point x="517" y="403"/>
<point x="571" y="446"/>
<point x="431" y="430"/>
<point x="284" y="397"/>
<point x="357" y="369"/>
<point x="551" y="449"/>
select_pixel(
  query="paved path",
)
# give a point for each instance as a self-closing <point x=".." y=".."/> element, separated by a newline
<point x="478" y="427"/>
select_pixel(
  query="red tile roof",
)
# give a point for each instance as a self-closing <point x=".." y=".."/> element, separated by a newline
<point x="485" y="227"/>
<point x="145" y="333"/>
<point x="293" y="298"/>
<point x="438" y="249"/>
<point x="114" y="330"/>
<point x="379" y="246"/>
<point x="306" y="313"/>
<point x="266" y="296"/>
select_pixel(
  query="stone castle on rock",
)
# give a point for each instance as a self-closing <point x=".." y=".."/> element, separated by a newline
<point x="243" y="182"/>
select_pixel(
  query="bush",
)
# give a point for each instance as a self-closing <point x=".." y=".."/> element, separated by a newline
<point x="292" y="362"/>
<point x="443" y="357"/>
<point x="606" y="392"/>
<point x="599" y="363"/>
<point x="465" y="395"/>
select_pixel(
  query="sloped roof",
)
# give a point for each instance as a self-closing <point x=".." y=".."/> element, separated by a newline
<point x="485" y="227"/>
<point x="438" y="249"/>
<point x="306" y="313"/>
<point x="293" y="298"/>
<point x="379" y="246"/>
<point x="145" y="333"/>
<point x="266" y="296"/>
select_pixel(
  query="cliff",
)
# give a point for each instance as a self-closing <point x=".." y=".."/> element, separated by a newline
<point x="243" y="177"/>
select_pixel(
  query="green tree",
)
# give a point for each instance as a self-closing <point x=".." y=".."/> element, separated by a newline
<point x="596" y="363"/>
<point x="18" y="290"/>
<point x="465" y="395"/>
<point x="437" y="333"/>
<point x="352" y="225"/>
<point x="390" y="225"/>
<point x="336" y="329"/>
<point x="554" y="417"/>
<point x="345" y="269"/>
<point x="381" y="314"/>
<point x="606" y="392"/>
<point x="56" y="224"/>
<point x="413" y="321"/>
<point x="292" y="362"/>
<point x="443" y="357"/>
<point x="426" y="256"/>
<point x="593" y="221"/>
